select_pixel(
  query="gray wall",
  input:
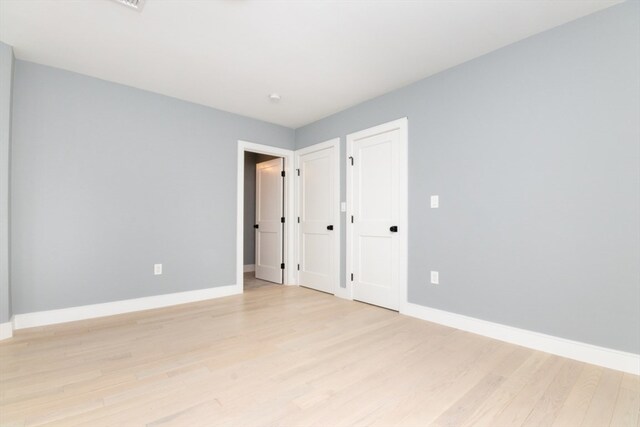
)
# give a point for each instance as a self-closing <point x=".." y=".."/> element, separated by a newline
<point x="249" y="245"/>
<point x="108" y="180"/>
<point x="534" y="150"/>
<point x="6" y="77"/>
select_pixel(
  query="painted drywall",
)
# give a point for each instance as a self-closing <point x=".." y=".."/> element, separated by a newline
<point x="249" y="236"/>
<point x="6" y="84"/>
<point x="108" y="180"/>
<point x="534" y="151"/>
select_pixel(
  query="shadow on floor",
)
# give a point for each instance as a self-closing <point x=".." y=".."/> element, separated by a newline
<point x="250" y="282"/>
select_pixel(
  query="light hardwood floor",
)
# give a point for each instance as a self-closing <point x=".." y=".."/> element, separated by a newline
<point x="289" y="356"/>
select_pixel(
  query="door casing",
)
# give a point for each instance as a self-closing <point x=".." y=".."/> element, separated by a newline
<point x="403" y="223"/>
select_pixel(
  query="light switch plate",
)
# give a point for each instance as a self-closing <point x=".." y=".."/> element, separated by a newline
<point x="157" y="269"/>
<point x="343" y="206"/>
<point x="435" y="202"/>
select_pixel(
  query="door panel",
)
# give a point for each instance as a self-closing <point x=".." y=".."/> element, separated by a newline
<point x="317" y="246"/>
<point x="269" y="211"/>
<point x="317" y="212"/>
<point x="373" y="169"/>
<point x="375" y="199"/>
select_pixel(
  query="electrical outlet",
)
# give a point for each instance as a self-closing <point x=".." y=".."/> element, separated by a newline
<point x="157" y="269"/>
<point x="435" y="278"/>
<point x="435" y="202"/>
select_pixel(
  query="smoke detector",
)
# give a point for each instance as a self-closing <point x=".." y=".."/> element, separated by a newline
<point x="133" y="4"/>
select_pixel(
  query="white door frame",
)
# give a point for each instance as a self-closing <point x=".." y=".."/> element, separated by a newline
<point x="403" y="223"/>
<point x="335" y="144"/>
<point x="289" y="203"/>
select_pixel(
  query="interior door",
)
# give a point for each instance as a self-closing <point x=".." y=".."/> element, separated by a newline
<point x="375" y="209"/>
<point x="317" y="215"/>
<point x="269" y="216"/>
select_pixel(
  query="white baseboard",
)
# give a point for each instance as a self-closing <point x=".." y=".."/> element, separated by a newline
<point x="249" y="268"/>
<point x="52" y="317"/>
<point x="6" y="330"/>
<point x="601" y="356"/>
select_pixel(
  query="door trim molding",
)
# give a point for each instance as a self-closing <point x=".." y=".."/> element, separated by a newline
<point x="289" y="244"/>
<point x="335" y="144"/>
<point x="6" y="330"/>
<point x="403" y="223"/>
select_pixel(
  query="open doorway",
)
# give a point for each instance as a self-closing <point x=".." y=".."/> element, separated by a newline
<point x="265" y="229"/>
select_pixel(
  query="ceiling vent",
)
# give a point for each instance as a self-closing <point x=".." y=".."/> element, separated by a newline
<point x="133" y="4"/>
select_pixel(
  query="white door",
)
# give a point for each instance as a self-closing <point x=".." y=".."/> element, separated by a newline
<point x="318" y="215"/>
<point x="269" y="214"/>
<point x="376" y="221"/>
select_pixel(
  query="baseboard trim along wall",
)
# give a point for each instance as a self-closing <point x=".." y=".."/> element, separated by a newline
<point x="588" y="353"/>
<point x="6" y="330"/>
<point x="249" y="267"/>
<point x="595" y="355"/>
<point x="52" y="317"/>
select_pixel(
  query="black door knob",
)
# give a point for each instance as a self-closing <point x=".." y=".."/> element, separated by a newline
<point x="329" y="227"/>
<point x="393" y="229"/>
<point x="256" y="226"/>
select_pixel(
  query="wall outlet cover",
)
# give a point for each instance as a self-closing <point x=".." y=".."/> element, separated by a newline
<point x="435" y="277"/>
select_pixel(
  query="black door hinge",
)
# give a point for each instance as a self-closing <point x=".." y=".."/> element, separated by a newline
<point x="351" y="159"/>
<point x="282" y="174"/>
<point x="351" y="219"/>
<point x="282" y="219"/>
<point x="298" y="170"/>
<point x="298" y="267"/>
<point x="282" y="266"/>
<point x="352" y="277"/>
<point x="298" y="220"/>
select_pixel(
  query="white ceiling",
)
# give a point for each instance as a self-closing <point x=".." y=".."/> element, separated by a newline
<point x="320" y="56"/>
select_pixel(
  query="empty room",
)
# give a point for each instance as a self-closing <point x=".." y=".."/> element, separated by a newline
<point x="320" y="213"/>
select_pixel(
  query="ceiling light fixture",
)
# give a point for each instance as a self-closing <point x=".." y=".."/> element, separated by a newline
<point x="274" y="97"/>
<point x="133" y="4"/>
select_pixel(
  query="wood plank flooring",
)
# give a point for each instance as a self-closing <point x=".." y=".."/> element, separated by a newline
<point x="289" y="356"/>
